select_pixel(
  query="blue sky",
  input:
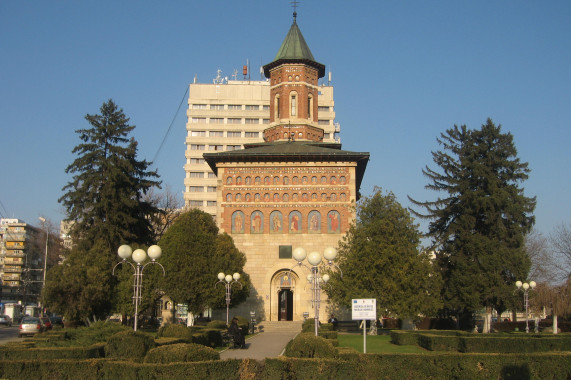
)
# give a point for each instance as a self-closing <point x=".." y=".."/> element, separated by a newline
<point x="403" y="71"/>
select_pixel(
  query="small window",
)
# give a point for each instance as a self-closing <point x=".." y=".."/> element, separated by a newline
<point x="195" y="203"/>
<point x="252" y="121"/>
<point x="196" y="189"/>
<point x="199" y="106"/>
<point x="323" y="122"/>
<point x="216" y="120"/>
<point x="196" y="175"/>
<point x="285" y="252"/>
<point x="211" y="203"/>
<point x="266" y="108"/>
<point x="197" y="161"/>
<point x="198" y="133"/>
<point x="234" y="120"/>
<point x="211" y="189"/>
<point x="252" y="134"/>
<point x="234" y="107"/>
<point x="197" y="147"/>
<point x="323" y="109"/>
<point x="215" y="147"/>
<point x="216" y="134"/>
<point x="211" y="175"/>
<point x="198" y="120"/>
<point x="252" y="107"/>
<point x="234" y="134"/>
<point x="217" y="107"/>
<point x="266" y="121"/>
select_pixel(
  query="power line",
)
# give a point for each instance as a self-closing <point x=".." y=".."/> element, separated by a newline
<point x="170" y="126"/>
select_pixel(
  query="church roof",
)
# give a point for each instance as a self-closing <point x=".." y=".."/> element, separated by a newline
<point x="291" y="151"/>
<point x="294" y="49"/>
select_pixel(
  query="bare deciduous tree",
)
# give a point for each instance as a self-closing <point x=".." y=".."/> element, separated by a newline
<point x="560" y="241"/>
<point x="170" y="207"/>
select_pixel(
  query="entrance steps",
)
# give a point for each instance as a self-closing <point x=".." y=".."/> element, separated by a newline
<point x="280" y="326"/>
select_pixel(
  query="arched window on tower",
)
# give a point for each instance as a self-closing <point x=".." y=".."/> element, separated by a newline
<point x="277" y="107"/>
<point x="293" y="104"/>
<point x="309" y="106"/>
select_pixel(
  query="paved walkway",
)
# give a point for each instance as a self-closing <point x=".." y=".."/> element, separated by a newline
<point x="263" y="345"/>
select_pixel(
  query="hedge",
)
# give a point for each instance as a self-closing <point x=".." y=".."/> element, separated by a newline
<point x="349" y="366"/>
<point x="208" y="337"/>
<point x="181" y="353"/>
<point x="129" y="344"/>
<point x="13" y="353"/>
<point x="307" y="345"/>
<point x="175" y="331"/>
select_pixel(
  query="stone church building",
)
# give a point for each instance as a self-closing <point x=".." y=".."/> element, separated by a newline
<point x="291" y="190"/>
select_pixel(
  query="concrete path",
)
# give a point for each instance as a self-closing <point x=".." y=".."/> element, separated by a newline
<point x="264" y="345"/>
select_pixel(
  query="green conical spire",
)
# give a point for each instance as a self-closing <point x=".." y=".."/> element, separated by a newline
<point x="294" y="49"/>
<point x="294" y="46"/>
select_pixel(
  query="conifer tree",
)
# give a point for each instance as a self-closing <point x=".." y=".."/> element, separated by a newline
<point x="105" y="198"/>
<point x="106" y="205"/>
<point x="381" y="258"/>
<point x="479" y="224"/>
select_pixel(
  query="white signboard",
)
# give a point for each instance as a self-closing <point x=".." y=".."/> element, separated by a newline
<point x="364" y="309"/>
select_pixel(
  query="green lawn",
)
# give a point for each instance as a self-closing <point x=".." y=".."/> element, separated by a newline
<point x="377" y="344"/>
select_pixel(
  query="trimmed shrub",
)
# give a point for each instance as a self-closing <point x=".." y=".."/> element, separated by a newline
<point x="183" y="352"/>
<point x="175" y="331"/>
<point x="309" y="346"/>
<point x="11" y="353"/>
<point x="220" y="325"/>
<point x="129" y="345"/>
<point x="167" y="341"/>
<point x="208" y="337"/>
<point x="328" y="334"/>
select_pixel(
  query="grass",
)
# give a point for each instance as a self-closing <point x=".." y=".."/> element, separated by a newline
<point x="377" y="344"/>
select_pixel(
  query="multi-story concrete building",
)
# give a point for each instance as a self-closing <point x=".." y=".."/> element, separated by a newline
<point x="21" y="261"/>
<point x="225" y="115"/>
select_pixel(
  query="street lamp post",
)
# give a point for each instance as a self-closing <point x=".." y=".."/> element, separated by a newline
<point x="139" y="256"/>
<point x="228" y="280"/>
<point x="525" y="288"/>
<point x="43" y="220"/>
<point x="315" y="278"/>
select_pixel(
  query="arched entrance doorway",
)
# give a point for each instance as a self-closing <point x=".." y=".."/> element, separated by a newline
<point x="285" y="305"/>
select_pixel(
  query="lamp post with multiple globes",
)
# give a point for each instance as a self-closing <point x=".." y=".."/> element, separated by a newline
<point x="315" y="278"/>
<point x="525" y="288"/>
<point x="138" y="256"/>
<point x="228" y="280"/>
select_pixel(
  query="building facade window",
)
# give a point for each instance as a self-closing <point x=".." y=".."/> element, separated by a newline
<point x="252" y="134"/>
<point x="234" y="107"/>
<point x="323" y="109"/>
<point x="215" y="147"/>
<point x="197" y="146"/>
<point x="293" y="104"/>
<point x="211" y="203"/>
<point x="252" y="107"/>
<point x="195" y="203"/>
<point x="217" y="107"/>
<point x="233" y="134"/>
<point x="234" y="120"/>
<point x="196" y="161"/>
<point x="198" y="120"/>
<point x="199" y="106"/>
<point x="323" y="122"/>
<point x="211" y="175"/>
<point x="216" y="120"/>
<point x="198" y="133"/>
<point x="252" y="121"/>
<point x="210" y="189"/>
<point x="216" y="134"/>
<point x="196" y="189"/>
<point x="196" y="175"/>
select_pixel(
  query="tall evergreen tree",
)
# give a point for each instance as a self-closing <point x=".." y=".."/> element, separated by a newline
<point x="105" y="198"/>
<point x="106" y="205"/>
<point x="381" y="258"/>
<point x="478" y="227"/>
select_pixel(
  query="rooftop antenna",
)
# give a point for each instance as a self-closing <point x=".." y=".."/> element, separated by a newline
<point x="294" y="4"/>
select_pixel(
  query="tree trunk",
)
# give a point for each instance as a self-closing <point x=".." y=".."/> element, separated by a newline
<point x="554" y="323"/>
<point x="487" y="328"/>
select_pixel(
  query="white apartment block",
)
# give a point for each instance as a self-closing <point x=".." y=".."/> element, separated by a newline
<point x="226" y="115"/>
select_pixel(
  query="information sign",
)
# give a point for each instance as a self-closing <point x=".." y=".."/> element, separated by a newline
<point x="364" y="309"/>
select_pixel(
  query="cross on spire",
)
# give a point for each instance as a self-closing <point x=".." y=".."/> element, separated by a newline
<point x="294" y="4"/>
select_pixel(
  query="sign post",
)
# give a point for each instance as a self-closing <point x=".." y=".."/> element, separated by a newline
<point x="364" y="310"/>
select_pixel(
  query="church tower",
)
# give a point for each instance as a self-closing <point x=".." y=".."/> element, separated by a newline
<point x="291" y="190"/>
<point x="294" y="76"/>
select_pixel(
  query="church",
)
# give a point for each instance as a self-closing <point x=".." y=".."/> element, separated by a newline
<point x="292" y="190"/>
